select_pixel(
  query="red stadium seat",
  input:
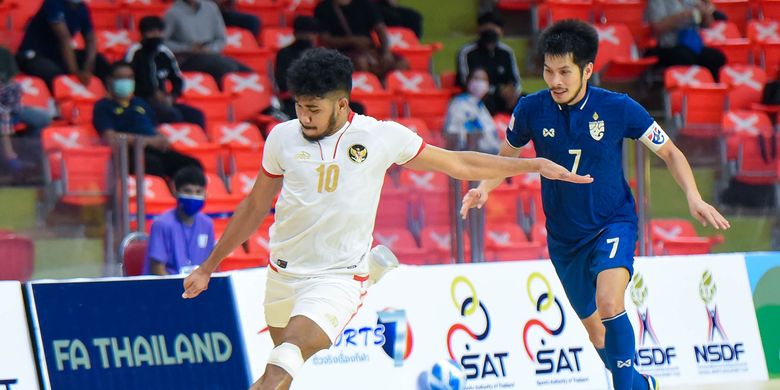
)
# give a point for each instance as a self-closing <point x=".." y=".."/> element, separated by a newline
<point x="201" y="91"/>
<point x="421" y="128"/>
<point x="157" y="195"/>
<point x="769" y="9"/>
<point x="114" y="43"/>
<point x="275" y="38"/>
<point x="76" y="101"/>
<point x="190" y="139"/>
<point x="551" y="11"/>
<point x="133" y="249"/>
<point x="702" y="110"/>
<point x="763" y="30"/>
<point x="404" y="42"/>
<point x="678" y="237"/>
<point x="746" y="84"/>
<point x="737" y="11"/>
<point x="726" y="37"/>
<point x="749" y="137"/>
<point x="242" y="144"/>
<point x="55" y="139"/>
<point x="618" y="58"/>
<point x="271" y="12"/>
<point x="417" y="96"/>
<point x="138" y="9"/>
<point x="35" y="93"/>
<point x="676" y="77"/>
<point x="368" y="91"/>
<point x="765" y="35"/>
<point x="243" y="47"/>
<point x="85" y="175"/>
<point x="105" y="14"/>
<point x="18" y="260"/>
<point x="508" y="242"/>
<point x="395" y="209"/>
<point x="403" y="245"/>
<point x="251" y="93"/>
<point x="241" y="183"/>
<point x="503" y="205"/>
<point x="438" y="240"/>
<point x="219" y="202"/>
<point x="627" y="12"/>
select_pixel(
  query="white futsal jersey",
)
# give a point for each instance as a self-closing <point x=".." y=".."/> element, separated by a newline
<point x="330" y="192"/>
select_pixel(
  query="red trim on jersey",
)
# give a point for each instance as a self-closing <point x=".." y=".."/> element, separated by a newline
<point x="360" y="278"/>
<point x="418" y="153"/>
<point x="357" y="309"/>
<point x="271" y="266"/>
<point x="351" y="115"/>
<point x="269" y="174"/>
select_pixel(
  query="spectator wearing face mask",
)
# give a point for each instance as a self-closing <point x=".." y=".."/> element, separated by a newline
<point x="122" y="112"/>
<point x="497" y="59"/>
<point x="182" y="238"/>
<point x="469" y="125"/>
<point x="155" y="66"/>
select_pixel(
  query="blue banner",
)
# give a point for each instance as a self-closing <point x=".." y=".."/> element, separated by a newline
<point x="139" y="334"/>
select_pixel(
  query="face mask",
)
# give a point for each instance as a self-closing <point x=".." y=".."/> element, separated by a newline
<point x="488" y="37"/>
<point x="151" y="43"/>
<point x="190" y="204"/>
<point x="124" y="87"/>
<point x="478" y="88"/>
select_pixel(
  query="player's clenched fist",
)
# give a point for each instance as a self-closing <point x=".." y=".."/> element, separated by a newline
<point x="196" y="283"/>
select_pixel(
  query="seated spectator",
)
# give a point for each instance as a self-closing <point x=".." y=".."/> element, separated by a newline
<point x="154" y="66"/>
<point x="497" y="59"/>
<point x="347" y="27"/>
<point x="234" y="18"/>
<point x="676" y="24"/>
<point x="47" y="51"/>
<point x="121" y="112"/>
<point x="469" y="125"/>
<point x="12" y="112"/>
<point x="195" y="31"/>
<point x="182" y="238"/>
<point x="306" y="31"/>
<point x="397" y="16"/>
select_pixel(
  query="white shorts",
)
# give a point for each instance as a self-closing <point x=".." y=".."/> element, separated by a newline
<point x="329" y="300"/>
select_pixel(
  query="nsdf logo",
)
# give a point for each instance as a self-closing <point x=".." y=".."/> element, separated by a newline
<point x="392" y="333"/>
<point x="539" y="334"/>
<point x="718" y="350"/>
<point x="475" y="326"/>
<point x="649" y="352"/>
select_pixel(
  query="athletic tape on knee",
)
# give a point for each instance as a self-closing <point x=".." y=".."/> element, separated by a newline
<point x="287" y="356"/>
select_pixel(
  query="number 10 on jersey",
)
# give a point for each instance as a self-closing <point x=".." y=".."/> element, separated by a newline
<point x="328" y="178"/>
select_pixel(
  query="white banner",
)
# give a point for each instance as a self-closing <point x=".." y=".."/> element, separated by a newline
<point x="694" y="320"/>
<point x="510" y="326"/>
<point x="17" y="366"/>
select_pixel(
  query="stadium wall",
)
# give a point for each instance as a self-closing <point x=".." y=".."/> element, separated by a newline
<point x="507" y="323"/>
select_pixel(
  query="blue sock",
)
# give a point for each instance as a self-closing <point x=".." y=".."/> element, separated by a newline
<point x="640" y="383"/>
<point x="619" y="345"/>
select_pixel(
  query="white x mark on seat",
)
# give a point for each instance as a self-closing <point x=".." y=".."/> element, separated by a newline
<point x="441" y="240"/>
<point x="422" y="180"/>
<point x="411" y="84"/>
<point x="27" y="86"/>
<point x="608" y="34"/>
<point x="249" y="82"/>
<point x="500" y="238"/>
<point x="71" y="140"/>
<point x="746" y="124"/>
<point x="195" y="83"/>
<point x="396" y="40"/>
<point x="531" y="178"/>
<point x="76" y="88"/>
<point x="284" y="39"/>
<point x="386" y="240"/>
<point x="767" y="31"/>
<point x="688" y="77"/>
<point x="145" y="2"/>
<point x="119" y="38"/>
<point x="743" y="78"/>
<point x="361" y="82"/>
<point x="234" y="39"/>
<point x="178" y="135"/>
<point x="667" y="234"/>
<point x="234" y="133"/>
<point x="148" y="193"/>
<point x="247" y="182"/>
<point x="715" y="34"/>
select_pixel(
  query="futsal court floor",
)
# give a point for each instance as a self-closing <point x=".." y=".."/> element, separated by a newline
<point x="771" y="385"/>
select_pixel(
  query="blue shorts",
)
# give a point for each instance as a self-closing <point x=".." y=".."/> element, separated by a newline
<point x="579" y="265"/>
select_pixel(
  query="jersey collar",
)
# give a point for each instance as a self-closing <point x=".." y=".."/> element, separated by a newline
<point x="581" y="106"/>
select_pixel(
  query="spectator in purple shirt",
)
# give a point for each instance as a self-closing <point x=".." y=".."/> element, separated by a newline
<point x="182" y="238"/>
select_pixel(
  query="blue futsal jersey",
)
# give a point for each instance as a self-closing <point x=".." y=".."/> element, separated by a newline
<point x="586" y="138"/>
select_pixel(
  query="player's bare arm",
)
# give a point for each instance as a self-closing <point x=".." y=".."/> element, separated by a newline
<point x="476" y="197"/>
<point x="245" y="220"/>
<point x="476" y="166"/>
<point x="681" y="171"/>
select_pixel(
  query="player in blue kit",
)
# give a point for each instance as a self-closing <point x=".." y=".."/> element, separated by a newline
<point x="592" y="229"/>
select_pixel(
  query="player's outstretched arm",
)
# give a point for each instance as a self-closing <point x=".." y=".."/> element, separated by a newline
<point x="477" y="197"/>
<point x="478" y="166"/>
<point x="245" y="220"/>
<point x="681" y="171"/>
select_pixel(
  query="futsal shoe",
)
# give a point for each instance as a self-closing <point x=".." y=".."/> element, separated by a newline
<point x="381" y="260"/>
<point x="652" y="384"/>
